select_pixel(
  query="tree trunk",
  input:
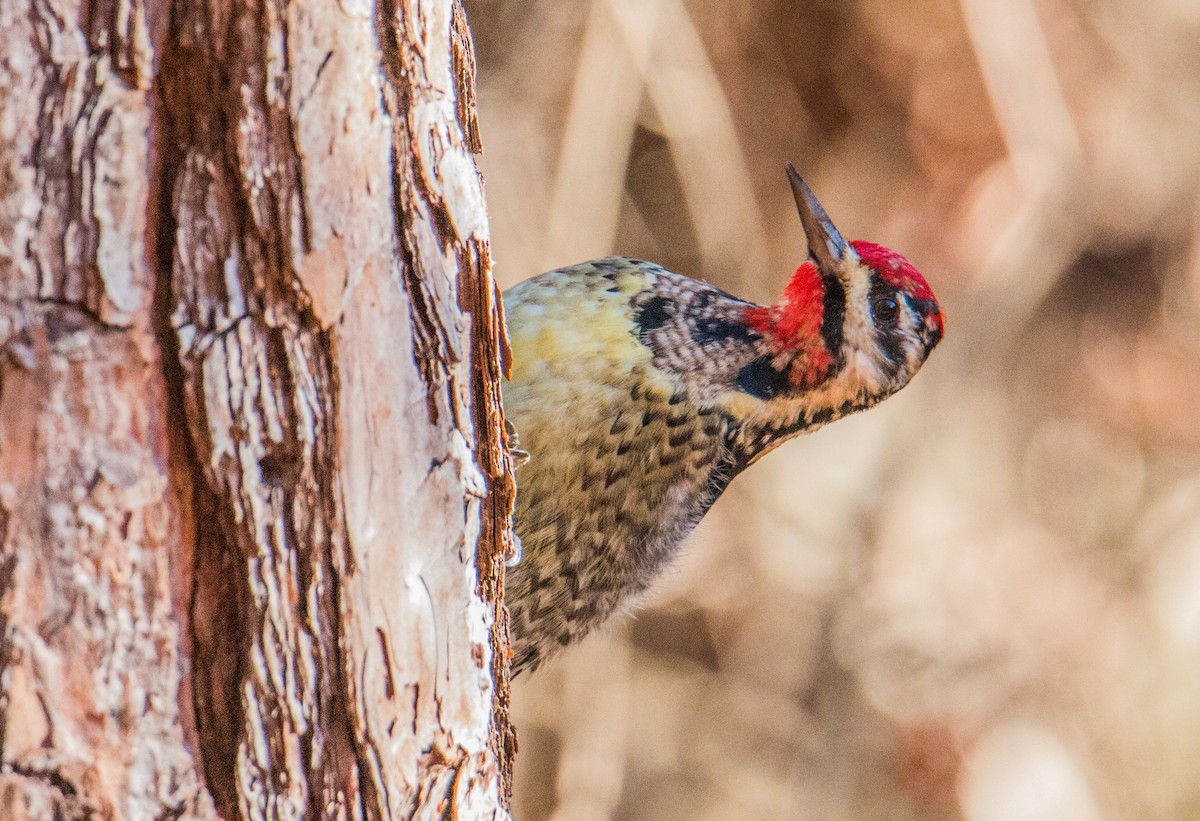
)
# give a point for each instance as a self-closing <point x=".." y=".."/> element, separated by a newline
<point x="251" y="448"/>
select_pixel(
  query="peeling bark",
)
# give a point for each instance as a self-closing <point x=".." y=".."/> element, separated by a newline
<point x="251" y="450"/>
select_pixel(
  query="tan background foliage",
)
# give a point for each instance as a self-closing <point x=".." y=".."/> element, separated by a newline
<point x="981" y="600"/>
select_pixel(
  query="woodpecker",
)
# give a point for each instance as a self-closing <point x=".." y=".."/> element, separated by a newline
<point x="639" y="394"/>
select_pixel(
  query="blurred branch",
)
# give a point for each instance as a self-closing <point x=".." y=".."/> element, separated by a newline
<point x="599" y="129"/>
<point x="592" y="765"/>
<point x="660" y="56"/>
<point x="1032" y="112"/>
<point x="699" y="124"/>
<point x="1051" y="222"/>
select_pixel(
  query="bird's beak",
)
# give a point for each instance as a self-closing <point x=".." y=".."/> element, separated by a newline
<point x="826" y="247"/>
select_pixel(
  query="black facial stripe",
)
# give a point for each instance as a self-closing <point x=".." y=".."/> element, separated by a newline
<point x="888" y="334"/>
<point x="891" y="342"/>
<point x="761" y="379"/>
<point x="833" y="319"/>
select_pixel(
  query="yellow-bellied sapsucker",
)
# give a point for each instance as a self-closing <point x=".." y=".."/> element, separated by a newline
<point x="640" y="393"/>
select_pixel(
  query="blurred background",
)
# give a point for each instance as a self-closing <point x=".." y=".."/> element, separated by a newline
<point x="982" y="599"/>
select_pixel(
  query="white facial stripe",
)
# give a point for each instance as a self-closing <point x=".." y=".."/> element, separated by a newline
<point x="858" y="328"/>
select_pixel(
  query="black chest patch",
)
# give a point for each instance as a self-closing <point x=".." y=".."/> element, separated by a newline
<point x="762" y="380"/>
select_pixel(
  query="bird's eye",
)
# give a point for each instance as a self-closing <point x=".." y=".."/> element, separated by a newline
<point x="886" y="310"/>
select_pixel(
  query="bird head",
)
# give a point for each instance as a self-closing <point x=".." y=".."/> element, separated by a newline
<point x="854" y="324"/>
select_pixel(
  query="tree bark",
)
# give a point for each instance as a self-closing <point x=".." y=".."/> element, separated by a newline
<point x="251" y="447"/>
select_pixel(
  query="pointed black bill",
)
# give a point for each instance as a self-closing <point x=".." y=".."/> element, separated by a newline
<point x="826" y="246"/>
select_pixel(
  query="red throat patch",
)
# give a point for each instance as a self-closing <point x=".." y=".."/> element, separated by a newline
<point x="794" y="324"/>
<point x="796" y="317"/>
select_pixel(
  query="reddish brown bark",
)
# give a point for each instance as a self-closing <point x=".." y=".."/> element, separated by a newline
<point x="248" y="438"/>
